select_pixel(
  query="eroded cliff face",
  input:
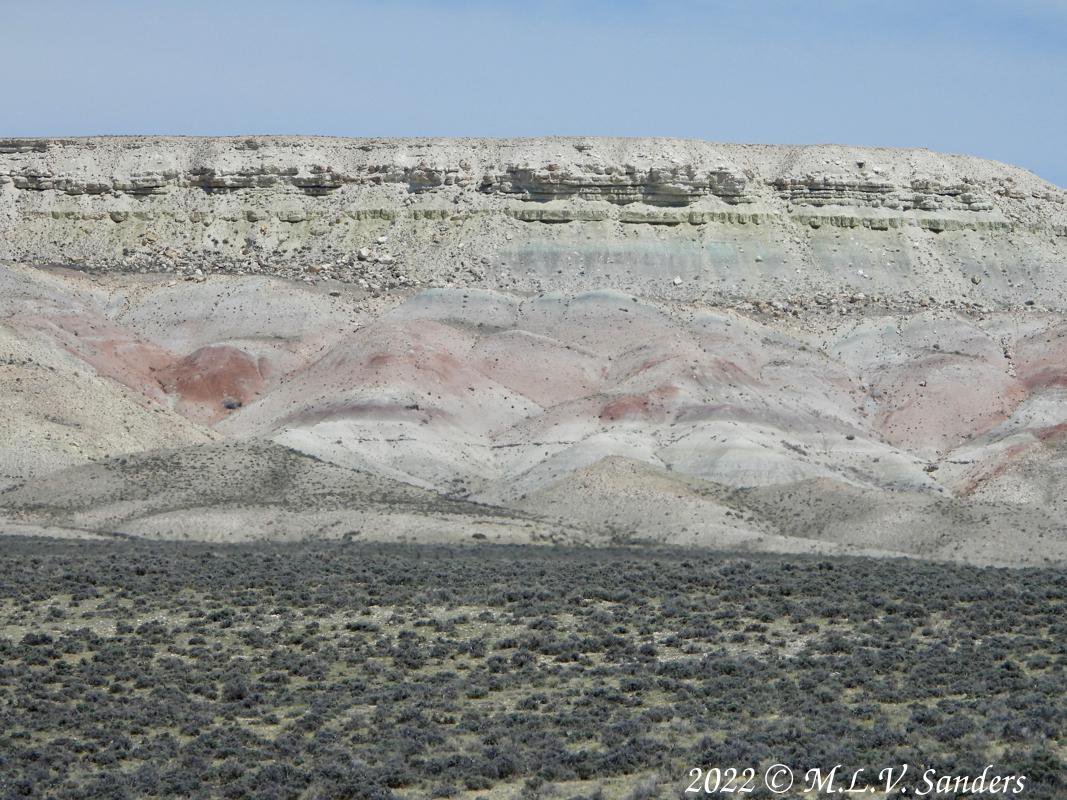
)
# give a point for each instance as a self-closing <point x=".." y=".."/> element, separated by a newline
<point x="664" y="218"/>
<point x="815" y="349"/>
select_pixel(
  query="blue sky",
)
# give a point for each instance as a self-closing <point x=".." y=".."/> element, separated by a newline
<point x="986" y="77"/>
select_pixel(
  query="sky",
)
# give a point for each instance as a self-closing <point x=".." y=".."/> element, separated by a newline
<point x="983" y="77"/>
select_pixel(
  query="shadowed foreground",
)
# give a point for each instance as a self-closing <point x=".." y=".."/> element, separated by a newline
<point x="360" y="671"/>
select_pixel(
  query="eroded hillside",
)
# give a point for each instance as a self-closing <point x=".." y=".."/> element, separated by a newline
<point x="583" y="340"/>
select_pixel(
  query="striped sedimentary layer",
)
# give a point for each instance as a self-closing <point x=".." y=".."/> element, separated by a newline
<point x="246" y="407"/>
<point x="814" y="349"/>
<point x="742" y="221"/>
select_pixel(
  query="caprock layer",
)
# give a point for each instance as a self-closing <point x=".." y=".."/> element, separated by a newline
<point x="686" y="220"/>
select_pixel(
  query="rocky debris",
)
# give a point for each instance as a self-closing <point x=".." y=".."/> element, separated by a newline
<point x="567" y="215"/>
<point x="547" y="328"/>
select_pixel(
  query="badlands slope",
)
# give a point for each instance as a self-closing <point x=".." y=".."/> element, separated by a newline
<point x="801" y="349"/>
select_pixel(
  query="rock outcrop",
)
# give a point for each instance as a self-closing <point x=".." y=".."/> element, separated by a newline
<point x="732" y="221"/>
<point x="813" y="349"/>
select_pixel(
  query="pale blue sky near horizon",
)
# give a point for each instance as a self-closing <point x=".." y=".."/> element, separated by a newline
<point x="983" y="77"/>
